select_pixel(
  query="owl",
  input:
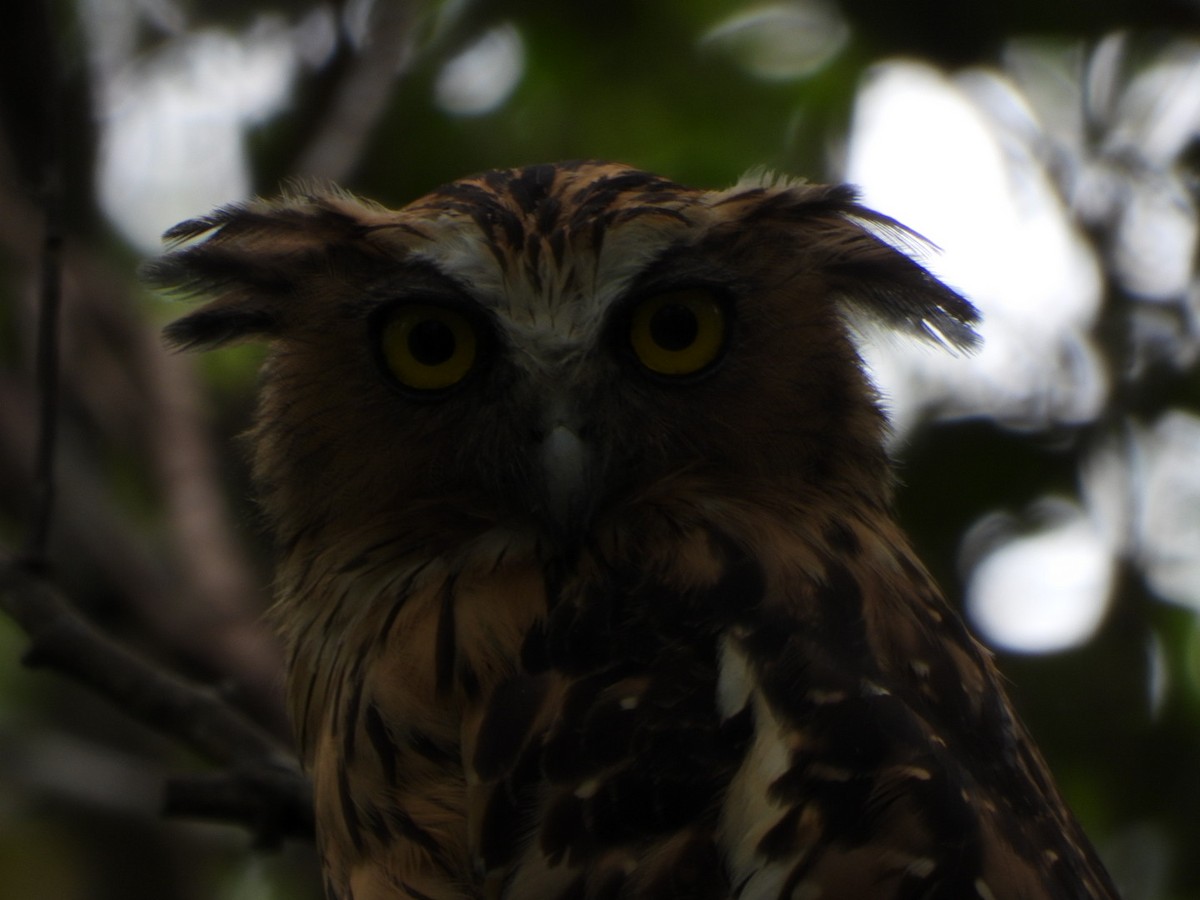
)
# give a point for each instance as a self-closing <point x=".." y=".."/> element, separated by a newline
<point x="587" y="567"/>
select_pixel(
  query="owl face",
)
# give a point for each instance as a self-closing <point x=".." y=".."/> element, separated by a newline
<point x="533" y="348"/>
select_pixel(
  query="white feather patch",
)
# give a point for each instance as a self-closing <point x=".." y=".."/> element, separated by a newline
<point x="749" y="811"/>
<point x="734" y="678"/>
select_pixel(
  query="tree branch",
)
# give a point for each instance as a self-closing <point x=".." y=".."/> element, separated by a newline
<point x="274" y="803"/>
<point x="358" y="94"/>
<point x="264" y="788"/>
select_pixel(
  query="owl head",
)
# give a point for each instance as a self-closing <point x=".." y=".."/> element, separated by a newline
<point x="537" y="348"/>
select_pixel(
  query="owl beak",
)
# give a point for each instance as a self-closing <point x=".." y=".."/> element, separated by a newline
<point x="566" y="461"/>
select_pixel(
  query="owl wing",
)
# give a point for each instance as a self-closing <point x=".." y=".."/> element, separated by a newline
<point x="748" y="738"/>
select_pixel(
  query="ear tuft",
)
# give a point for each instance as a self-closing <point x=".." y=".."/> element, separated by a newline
<point x="885" y="281"/>
<point x="249" y="260"/>
<point x="869" y="260"/>
<point x="208" y="328"/>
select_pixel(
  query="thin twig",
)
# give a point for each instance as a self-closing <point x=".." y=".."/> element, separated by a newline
<point x="48" y="309"/>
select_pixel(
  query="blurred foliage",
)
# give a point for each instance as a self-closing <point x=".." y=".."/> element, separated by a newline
<point x="636" y="81"/>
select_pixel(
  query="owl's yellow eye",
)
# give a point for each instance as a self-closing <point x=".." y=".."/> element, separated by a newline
<point x="428" y="347"/>
<point x="678" y="332"/>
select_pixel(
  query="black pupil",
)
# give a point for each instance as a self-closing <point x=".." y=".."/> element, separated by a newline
<point x="431" y="342"/>
<point x="674" y="327"/>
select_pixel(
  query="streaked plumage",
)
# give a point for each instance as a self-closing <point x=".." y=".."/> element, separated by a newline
<point x="586" y="560"/>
